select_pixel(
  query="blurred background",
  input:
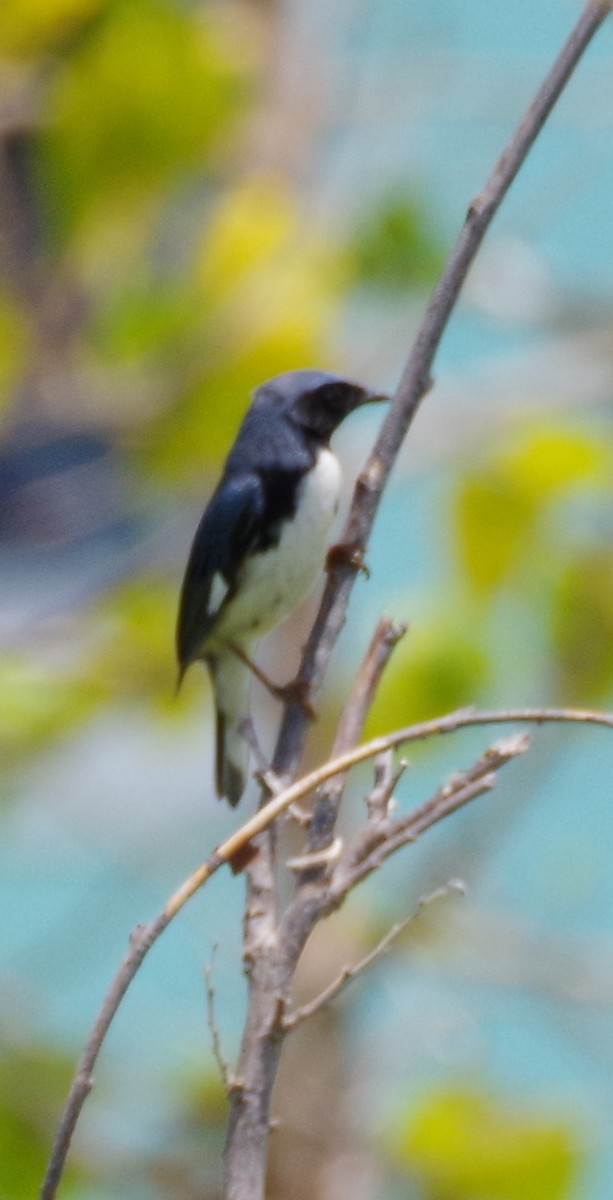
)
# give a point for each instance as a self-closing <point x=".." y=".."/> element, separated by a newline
<point x="195" y="196"/>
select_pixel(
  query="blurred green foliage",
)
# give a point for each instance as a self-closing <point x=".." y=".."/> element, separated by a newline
<point x="143" y="96"/>
<point x="13" y="346"/>
<point x="582" y="625"/>
<point x="503" y="507"/>
<point x="396" y="245"/>
<point x="530" y="524"/>
<point x="31" y="1080"/>
<point x="462" y="1146"/>
<point x="30" y="28"/>
<point x="440" y="665"/>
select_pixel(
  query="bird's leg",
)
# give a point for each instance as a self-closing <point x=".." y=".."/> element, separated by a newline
<point x="296" y="689"/>
<point x="263" y="772"/>
<point x="347" y="554"/>
<point x="247" y="732"/>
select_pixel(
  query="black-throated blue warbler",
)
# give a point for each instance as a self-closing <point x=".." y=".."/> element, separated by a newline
<point x="261" y="543"/>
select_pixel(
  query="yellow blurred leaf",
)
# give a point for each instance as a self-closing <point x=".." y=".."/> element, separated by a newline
<point x="583" y="628"/>
<point x="140" y="100"/>
<point x="263" y="271"/>
<point x="464" y="1147"/>
<point x="40" y="704"/>
<point x="549" y="458"/>
<point x="437" y="667"/>
<point x="270" y="292"/>
<point x="136" y="656"/>
<point x="13" y="346"/>
<point x="29" y="27"/>
<point x="494" y="518"/>
<point x="499" y="505"/>
<point x="251" y="224"/>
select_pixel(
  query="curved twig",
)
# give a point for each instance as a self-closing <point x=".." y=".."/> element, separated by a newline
<point x="144" y="936"/>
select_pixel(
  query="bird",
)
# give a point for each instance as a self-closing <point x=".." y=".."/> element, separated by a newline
<point x="261" y="544"/>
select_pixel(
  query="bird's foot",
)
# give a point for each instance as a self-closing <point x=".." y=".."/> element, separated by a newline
<point x="347" y="554"/>
<point x="296" y="690"/>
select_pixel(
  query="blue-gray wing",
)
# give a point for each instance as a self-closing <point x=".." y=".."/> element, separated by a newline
<point x="227" y="532"/>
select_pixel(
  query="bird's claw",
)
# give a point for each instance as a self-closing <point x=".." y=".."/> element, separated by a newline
<point x="297" y="691"/>
<point x="347" y="554"/>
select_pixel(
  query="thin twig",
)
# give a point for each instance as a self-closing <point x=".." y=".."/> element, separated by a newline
<point x="349" y="731"/>
<point x="348" y="973"/>
<point x="387" y="777"/>
<point x="374" y="845"/>
<point x="144" y="936"/>
<point x="462" y="718"/>
<point x="385" y="638"/>
<point x="224" y="1070"/>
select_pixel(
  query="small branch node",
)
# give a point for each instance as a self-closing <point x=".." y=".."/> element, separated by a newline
<point x="347" y="554"/>
<point x="317" y="858"/>
<point x="380" y="801"/>
<point x="269" y="781"/>
<point x="455" y="887"/>
<point x="476" y="207"/>
<point x="299" y="815"/>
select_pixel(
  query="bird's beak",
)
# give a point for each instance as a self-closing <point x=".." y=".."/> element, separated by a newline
<point x="374" y="398"/>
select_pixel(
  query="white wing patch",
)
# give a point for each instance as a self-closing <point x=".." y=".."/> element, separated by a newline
<point x="217" y="595"/>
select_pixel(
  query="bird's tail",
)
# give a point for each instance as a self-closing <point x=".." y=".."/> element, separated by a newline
<point x="231" y="684"/>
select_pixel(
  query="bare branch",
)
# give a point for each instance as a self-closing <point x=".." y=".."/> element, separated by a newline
<point x="141" y="941"/>
<point x="377" y="843"/>
<point x="385" y="637"/>
<point x="144" y="936"/>
<point x="348" y="973"/>
<point x="224" y="1070"/>
<point x="387" y="777"/>
<point x="323" y="858"/>
<point x="354" y="714"/>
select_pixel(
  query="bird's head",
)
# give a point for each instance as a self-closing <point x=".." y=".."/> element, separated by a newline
<point x="317" y="401"/>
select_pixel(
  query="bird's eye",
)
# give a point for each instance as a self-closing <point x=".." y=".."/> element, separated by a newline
<point x="333" y="398"/>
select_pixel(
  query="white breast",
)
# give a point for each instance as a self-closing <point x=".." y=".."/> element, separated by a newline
<point x="274" y="583"/>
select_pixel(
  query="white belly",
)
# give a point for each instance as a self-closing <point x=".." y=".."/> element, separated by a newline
<point x="274" y="583"/>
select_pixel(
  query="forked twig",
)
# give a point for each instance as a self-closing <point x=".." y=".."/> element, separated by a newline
<point x="144" y="936"/>
<point x="348" y="973"/>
